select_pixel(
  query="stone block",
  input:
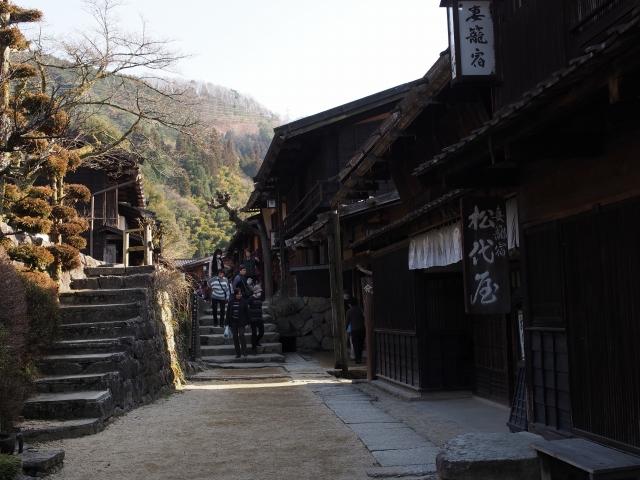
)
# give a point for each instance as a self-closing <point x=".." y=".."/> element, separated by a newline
<point x="110" y="282"/>
<point x="318" y="304"/>
<point x="38" y="463"/>
<point x="307" y="327"/>
<point x="307" y="343"/>
<point x="479" y="456"/>
<point x="327" y="344"/>
<point x="317" y="333"/>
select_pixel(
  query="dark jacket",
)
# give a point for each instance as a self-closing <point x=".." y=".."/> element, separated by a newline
<point x="241" y="282"/>
<point x="237" y="313"/>
<point x="355" y="317"/>
<point x="255" y="310"/>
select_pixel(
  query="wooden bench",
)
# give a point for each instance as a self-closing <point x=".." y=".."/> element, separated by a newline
<point x="598" y="461"/>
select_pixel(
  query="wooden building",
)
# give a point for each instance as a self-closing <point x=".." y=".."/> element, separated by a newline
<point x="422" y="338"/>
<point x="543" y="150"/>
<point x="567" y="147"/>
<point x="298" y="179"/>
<point x="117" y="204"/>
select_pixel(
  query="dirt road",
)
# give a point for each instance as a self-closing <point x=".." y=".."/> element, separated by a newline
<point x="236" y="430"/>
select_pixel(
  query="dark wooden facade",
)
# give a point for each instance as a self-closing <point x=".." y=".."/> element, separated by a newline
<point x="567" y="149"/>
<point x="299" y="177"/>
<point x="117" y="203"/>
<point x="556" y="135"/>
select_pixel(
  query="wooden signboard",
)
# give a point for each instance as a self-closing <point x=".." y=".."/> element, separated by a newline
<point x="485" y="256"/>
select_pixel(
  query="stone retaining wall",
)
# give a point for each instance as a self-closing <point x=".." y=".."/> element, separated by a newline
<point x="308" y="319"/>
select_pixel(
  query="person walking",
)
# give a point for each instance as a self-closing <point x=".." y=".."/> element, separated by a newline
<point x="241" y="281"/>
<point x="250" y="262"/>
<point x="237" y="320"/>
<point x="355" y="320"/>
<point x="255" y="315"/>
<point x="218" y="262"/>
<point x="220" y="296"/>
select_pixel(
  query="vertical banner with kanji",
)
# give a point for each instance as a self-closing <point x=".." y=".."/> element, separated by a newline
<point x="485" y="257"/>
<point x="471" y="39"/>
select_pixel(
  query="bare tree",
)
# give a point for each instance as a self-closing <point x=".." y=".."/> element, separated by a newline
<point x="221" y="201"/>
<point x="110" y="71"/>
<point x="47" y="101"/>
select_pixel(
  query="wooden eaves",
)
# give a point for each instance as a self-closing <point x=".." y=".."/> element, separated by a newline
<point x="410" y="217"/>
<point x="294" y="129"/>
<point x="545" y="94"/>
<point x="377" y="145"/>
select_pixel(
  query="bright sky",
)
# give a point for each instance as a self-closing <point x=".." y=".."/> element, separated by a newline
<point x="296" y="57"/>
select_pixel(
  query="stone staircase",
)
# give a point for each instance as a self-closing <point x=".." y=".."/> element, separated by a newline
<point x="109" y="356"/>
<point x="216" y="351"/>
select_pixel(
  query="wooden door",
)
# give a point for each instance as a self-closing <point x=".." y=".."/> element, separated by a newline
<point x="602" y="296"/>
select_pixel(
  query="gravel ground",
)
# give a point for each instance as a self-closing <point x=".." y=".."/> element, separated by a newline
<point x="240" y="430"/>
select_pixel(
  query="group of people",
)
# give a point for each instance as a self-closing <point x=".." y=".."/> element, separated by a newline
<point x="237" y="303"/>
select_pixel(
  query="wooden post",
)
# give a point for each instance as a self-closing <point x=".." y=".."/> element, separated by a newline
<point x="125" y="248"/>
<point x="284" y="278"/>
<point x="367" y="304"/>
<point x="93" y="214"/>
<point x="148" y="252"/>
<point x="337" y="293"/>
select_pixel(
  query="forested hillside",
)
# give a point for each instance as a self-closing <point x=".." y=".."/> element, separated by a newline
<point x="183" y="171"/>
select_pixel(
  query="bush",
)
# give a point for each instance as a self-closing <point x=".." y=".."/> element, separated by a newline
<point x="10" y="467"/>
<point x="66" y="256"/>
<point x="71" y="228"/>
<point x="62" y="212"/>
<point x="76" y="241"/>
<point x="32" y="224"/>
<point x="34" y="256"/>
<point x="77" y="192"/>
<point x="14" y="328"/>
<point x="43" y="311"/>
<point x="32" y="207"/>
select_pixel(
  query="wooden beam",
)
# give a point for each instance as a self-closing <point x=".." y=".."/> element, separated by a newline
<point x="337" y="294"/>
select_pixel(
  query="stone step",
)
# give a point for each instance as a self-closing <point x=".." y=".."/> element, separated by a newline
<point x="217" y="350"/>
<point x="227" y="359"/>
<point x="218" y="339"/>
<point x="49" y="430"/>
<point x="69" y="405"/>
<point x="76" y="383"/>
<point x="86" y="363"/>
<point x="98" y="313"/>
<point x="119" y="270"/>
<point x="110" y="282"/>
<point x="93" y="345"/>
<point x="211" y="330"/>
<point x="135" y="327"/>
<point x="103" y="296"/>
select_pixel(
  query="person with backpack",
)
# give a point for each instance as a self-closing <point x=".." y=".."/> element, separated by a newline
<point x="220" y="296"/>
<point x="237" y="320"/>
<point x="241" y="282"/>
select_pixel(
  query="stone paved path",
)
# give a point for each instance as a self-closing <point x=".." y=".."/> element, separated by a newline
<point x="270" y="428"/>
<point x="291" y="421"/>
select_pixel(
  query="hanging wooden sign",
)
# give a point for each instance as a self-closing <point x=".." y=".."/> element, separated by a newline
<point x="471" y="40"/>
<point x="485" y="257"/>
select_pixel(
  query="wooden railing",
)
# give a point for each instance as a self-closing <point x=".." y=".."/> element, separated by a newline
<point x="318" y="196"/>
<point x="146" y="247"/>
<point x="397" y="356"/>
<point x="305" y="207"/>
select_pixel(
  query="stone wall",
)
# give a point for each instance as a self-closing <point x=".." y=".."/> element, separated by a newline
<point x="308" y="319"/>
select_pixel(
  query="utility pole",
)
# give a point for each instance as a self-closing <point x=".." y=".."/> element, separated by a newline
<point x="337" y="293"/>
